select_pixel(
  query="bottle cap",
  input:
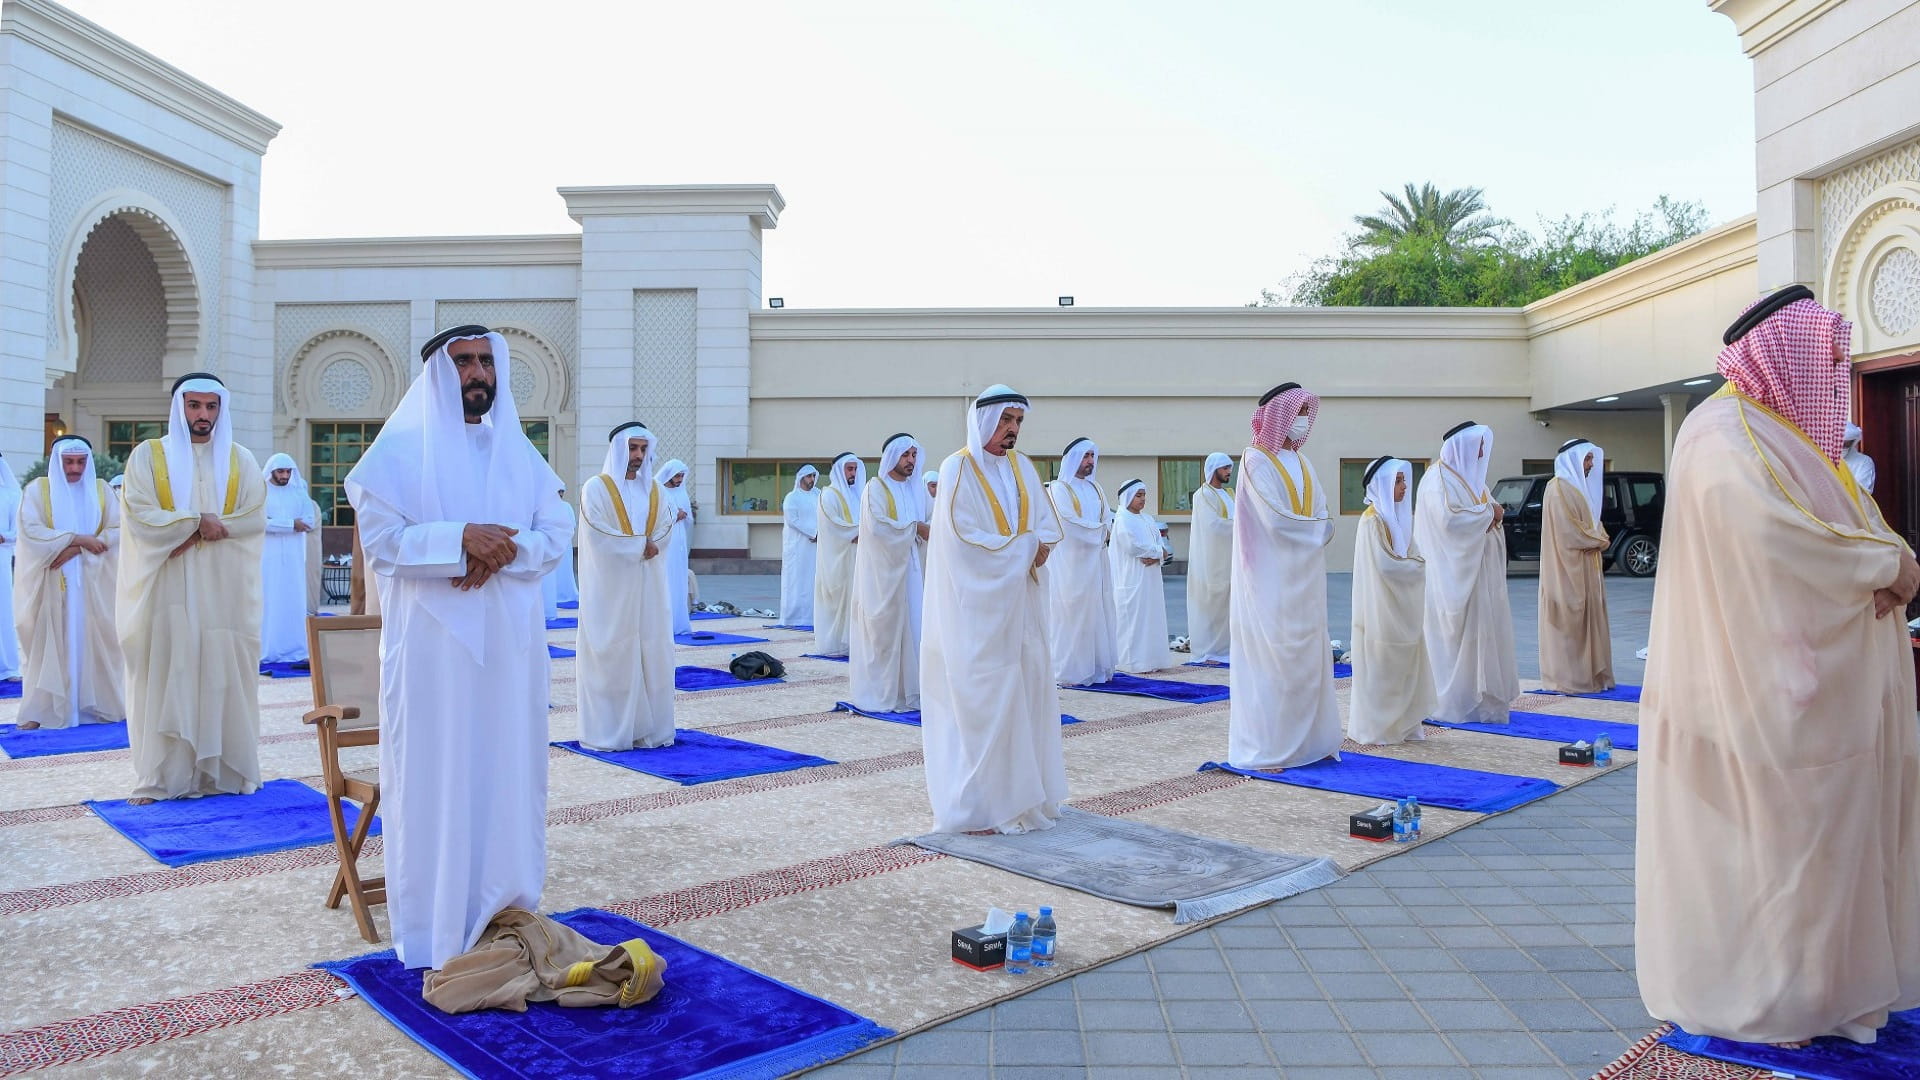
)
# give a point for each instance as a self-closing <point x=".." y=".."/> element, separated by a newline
<point x="1045" y="912"/>
<point x="1020" y="915"/>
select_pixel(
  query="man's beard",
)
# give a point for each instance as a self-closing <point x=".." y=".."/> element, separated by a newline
<point x="200" y="427"/>
<point x="481" y="408"/>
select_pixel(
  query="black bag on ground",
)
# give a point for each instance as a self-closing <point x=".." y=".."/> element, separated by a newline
<point x="756" y="665"/>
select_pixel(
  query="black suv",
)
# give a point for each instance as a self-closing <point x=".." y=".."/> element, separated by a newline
<point x="1634" y="502"/>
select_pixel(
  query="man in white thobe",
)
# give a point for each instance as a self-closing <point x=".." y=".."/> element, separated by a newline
<point x="1858" y="463"/>
<point x="9" y="519"/>
<point x="63" y="594"/>
<point x="989" y="709"/>
<point x="839" y="532"/>
<point x="187" y="602"/>
<point x="1392" y="684"/>
<point x="1134" y="558"/>
<point x="1282" y="712"/>
<point x="888" y="582"/>
<point x="1469" y="625"/>
<point x="283" y="564"/>
<point x="626" y="634"/>
<point x="1081" y="620"/>
<point x="678" y="508"/>
<point x="459" y="519"/>
<point x="558" y="586"/>
<point x="798" y="539"/>
<point x="1210" y="565"/>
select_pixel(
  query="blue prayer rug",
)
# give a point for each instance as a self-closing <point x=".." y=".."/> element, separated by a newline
<point x="563" y="622"/>
<point x="1391" y="778"/>
<point x="699" y="758"/>
<point x="1894" y="1056"/>
<point x="9" y="688"/>
<point x="710" y="637"/>
<point x="1618" y="693"/>
<point x="180" y="832"/>
<point x="687" y="677"/>
<point x="805" y="629"/>
<point x="297" y="669"/>
<point x="714" y="1020"/>
<point x="1549" y="727"/>
<point x="1164" y="689"/>
<point x="79" y="739"/>
<point x="701" y="615"/>
<point x="824" y="656"/>
<point x="555" y="652"/>
<point x="568" y="605"/>
<point x="911" y="718"/>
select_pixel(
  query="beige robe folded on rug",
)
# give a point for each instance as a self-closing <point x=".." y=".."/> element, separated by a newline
<point x="524" y="957"/>
<point x="1778" y="862"/>
<point x="1576" y="643"/>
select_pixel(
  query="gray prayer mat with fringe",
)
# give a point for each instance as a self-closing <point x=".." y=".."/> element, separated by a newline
<point x="1144" y="865"/>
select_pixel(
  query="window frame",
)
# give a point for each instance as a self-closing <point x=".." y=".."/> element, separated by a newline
<point x="1179" y="491"/>
<point x="108" y="444"/>
<point x="336" y="487"/>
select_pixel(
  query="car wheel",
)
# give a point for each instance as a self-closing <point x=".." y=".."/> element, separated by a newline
<point x="1639" y="556"/>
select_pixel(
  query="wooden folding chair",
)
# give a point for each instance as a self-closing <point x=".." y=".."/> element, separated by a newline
<point x="344" y="654"/>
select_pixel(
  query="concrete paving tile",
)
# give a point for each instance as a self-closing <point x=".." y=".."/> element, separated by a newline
<point x="1406" y="1048"/>
<point x="1479" y="895"/>
<point x="1563" y="1014"/>
<point x="937" y="1072"/>
<point x="1526" y="1072"/>
<point x="1627" y="1014"/>
<point x="1197" y="987"/>
<point x="1359" y="986"/>
<point x="1610" y="894"/>
<point x="1528" y="985"/>
<point x="1365" y="1016"/>
<point x="1129" y="1048"/>
<point x="1038" y="1048"/>
<point x="1471" y="937"/>
<point x="1186" y="960"/>
<point x="1396" y="935"/>
<point x="1586" y="1050"/>
<point x="1371" y="896"/>
<point x="1261" y="935"/>
<point x="1209" y="1016"/>
<point x="1330" y="1072"/>
<point x="1022" y="1014"/>
<point x="1251" y="961"/>
<point x="1323" y="937"/>
<point x="1600" y="984"/>
<point x="1425" y="1072"/>
<point x="1285" y="985"/>
<point x="1283" y="1016"/>
<point x="1507" y="959"/>
<point x="1531" y="937"/>
<point x="1435" y="959"/>
<point x="1555" y="895"/>
<point x="1222" y="1048"/>
<point x="1469" y="1015"/>
<point x="1127" y="1072"/>
<point x="1571" y="958"/>
<point x="1283" y="915"/>
<point x="1446" y="916"/>
<point x="1322" y="961"/>
<point x="1316" y="1048"/>
<point x="943" y="1047"/>
<point x="1518" y="914"/>
<point x="1202" y="939"/>
<point x="1500" y="1048"/>
<point x="1445" y="986"/>
<point x="1101" y="984"/>
<point x="856" y="1070"/>
<point x="1039" y="1072"/>
<point x="1228" y="1072"/>
<point x="1105" y="1016"/>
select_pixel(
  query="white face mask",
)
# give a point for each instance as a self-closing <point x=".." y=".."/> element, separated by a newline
<point x="1298" y="432"/>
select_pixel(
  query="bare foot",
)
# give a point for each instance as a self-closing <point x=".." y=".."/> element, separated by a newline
<point x="1802" y="1045"/>
<point x="30" y="725"/>
<point x="140" y="800"/>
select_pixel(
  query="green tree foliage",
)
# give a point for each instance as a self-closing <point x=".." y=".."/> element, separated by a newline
<point x="1434" y="250"/>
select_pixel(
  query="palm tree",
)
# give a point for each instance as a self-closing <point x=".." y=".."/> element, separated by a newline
<point x="1456" y="218"/>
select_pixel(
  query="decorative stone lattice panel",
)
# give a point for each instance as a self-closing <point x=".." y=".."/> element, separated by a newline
<point x="1842" y="193"/>
<point x="553" y="321"/>
<point x="87" y="166"/>
<point x="346" y="385"/>
<point x="665" y="351"/>
<point x="123" y="306"/>
<point x="295" y="325"/>
<point x="1896" y="291"/>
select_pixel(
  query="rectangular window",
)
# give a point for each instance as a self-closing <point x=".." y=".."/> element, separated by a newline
<point x="1353" y="487"/>
<point x="1544" y="466"/>
<point x="539" y="434"/>
<point x="1179" y="478"/>
<point x="333" y="447"/>
<point x="124" y="435"/>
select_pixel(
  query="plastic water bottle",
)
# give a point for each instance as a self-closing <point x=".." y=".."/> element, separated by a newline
<point x="1402" y="822"/>
<point x="1603" y="750"/>
<point x="1019" y="944"/>
<point x="1044" y="933"/>
<point x="1413" y="805"/>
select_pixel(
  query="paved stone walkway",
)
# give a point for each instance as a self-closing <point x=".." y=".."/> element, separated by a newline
<point x="1503" y="951"/>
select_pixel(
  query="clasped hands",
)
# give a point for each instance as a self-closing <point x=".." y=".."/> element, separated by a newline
<point x="92" y="545"/>
<point x="211" y="529"/>
<point x="1902" y="591"/>
<point x="489" y="548"/>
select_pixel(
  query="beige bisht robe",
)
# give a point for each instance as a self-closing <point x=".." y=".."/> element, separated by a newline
<point x="1576" y="644"/>
<point x="524" y="957"/>
<point x="626" y="633"/>
<point x="839" y="527"/>
<point x="1778" y="863"/>
<point x="190" y="628"/>
<point x="71" y="668"/>
<point x="1392" y="681"/>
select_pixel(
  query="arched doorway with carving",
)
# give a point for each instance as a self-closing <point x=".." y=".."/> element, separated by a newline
<point x="127" y="321"/>
<point x="1873" y="278"/>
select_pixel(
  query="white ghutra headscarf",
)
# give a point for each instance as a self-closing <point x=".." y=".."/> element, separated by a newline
<point x="177" y="443"/>
<point x="1569" y="466"/>
<point x="672" y="499"/>
<point x="615" y="465"/>
<point x="848" y="490"/>
<point x="75" y="504"/>
<point x="1465" y="455"/>
<point x="910" y="495"/>
<point x="1396" y="516"/>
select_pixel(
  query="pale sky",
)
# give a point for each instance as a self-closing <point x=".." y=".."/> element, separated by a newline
<point x="975" y="152"/>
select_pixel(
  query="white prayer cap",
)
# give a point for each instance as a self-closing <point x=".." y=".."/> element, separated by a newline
<point x="1396" y="515"/>
<point x="76" y="508"/>
<point x="994" y="401"/>
<point x="1570" y="465"/>
<point x="178" y="441"/>
<point x="1077" y="451"/>
<point x="1467" y="452"/>
<point x="896" y="447"/>
<point x="1215" y="462"/>
<point x="283" y="461"/>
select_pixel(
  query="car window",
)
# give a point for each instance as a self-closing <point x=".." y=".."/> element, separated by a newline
<point x="1646" y="493"/>
<point x="1612" y="497"/>
<point x="1511" y="493"/>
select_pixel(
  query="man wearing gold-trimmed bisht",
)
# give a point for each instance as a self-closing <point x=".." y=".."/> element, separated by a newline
<point x="188" y="602"/>
<point x="1778" y="863"/>
<point x="1576" y="643"/>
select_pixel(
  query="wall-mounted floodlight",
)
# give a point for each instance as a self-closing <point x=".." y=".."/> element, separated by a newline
<point x="776" y="301"/>
<point x="1066" y="301"/>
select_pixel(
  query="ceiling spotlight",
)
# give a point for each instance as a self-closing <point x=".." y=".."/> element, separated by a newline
<point x="1066" y="301"/>
<point x="1604" y="400"/>
<point x="1697" y="382"/>
<point x="776" y="301"/>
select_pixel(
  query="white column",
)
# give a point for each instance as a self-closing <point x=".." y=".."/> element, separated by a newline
<point x="26" y="145"/>
<point x="1674" y="408"/>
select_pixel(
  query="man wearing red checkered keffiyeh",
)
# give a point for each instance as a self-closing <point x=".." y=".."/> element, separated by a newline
<point x="1283" y="712"/>
<point x="1778" y="862"/>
